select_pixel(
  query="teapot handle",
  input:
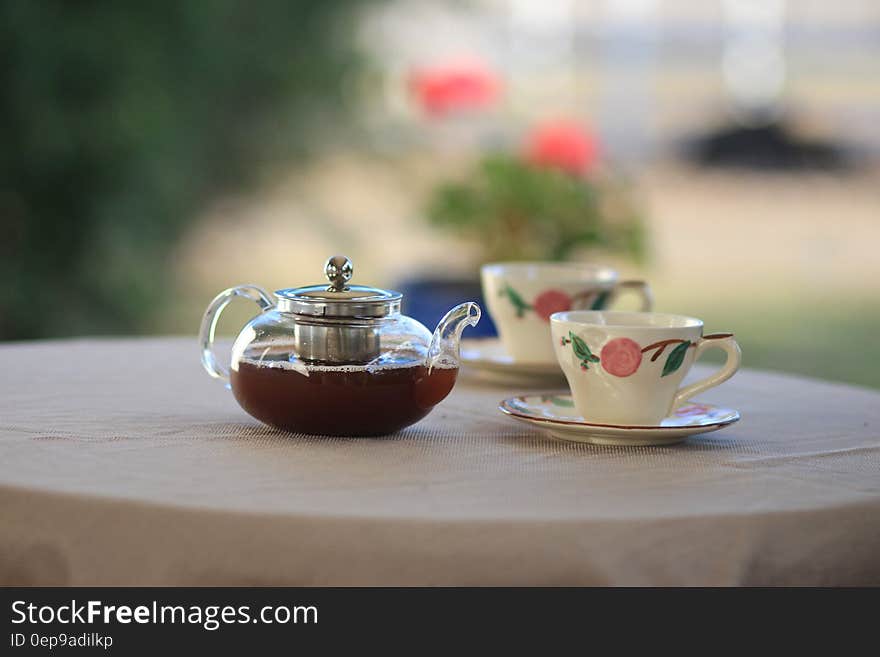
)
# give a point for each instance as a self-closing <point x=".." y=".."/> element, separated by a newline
<point x="212" y="316"/>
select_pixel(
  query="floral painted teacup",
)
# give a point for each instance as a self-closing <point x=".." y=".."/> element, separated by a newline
<point x="627" y="368"/>
<point x="521" y="296"/>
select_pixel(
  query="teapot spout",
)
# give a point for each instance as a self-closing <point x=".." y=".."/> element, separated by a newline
<point x="447" y="336"/>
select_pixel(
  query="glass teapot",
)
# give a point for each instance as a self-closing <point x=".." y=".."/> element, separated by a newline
<point x="336" y="359"/>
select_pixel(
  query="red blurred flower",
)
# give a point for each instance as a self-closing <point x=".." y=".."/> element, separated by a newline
<point x="444" y="89"/>
<point x="564" y="145"/>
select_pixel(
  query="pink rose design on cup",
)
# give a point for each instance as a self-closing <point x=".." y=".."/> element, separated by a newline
<point x="549" y="302"/>
<point x="621" y="357"/>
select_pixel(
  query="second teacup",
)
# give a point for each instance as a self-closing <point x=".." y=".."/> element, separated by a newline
<point x="627" y="368"/>
<point x="521" y="296"/>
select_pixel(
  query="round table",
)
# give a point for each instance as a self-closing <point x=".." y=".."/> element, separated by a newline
<point x="121" y="462"/>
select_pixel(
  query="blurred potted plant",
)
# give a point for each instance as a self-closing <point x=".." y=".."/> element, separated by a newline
<point x="551" y="201"/>
<point x="548" y="203"/>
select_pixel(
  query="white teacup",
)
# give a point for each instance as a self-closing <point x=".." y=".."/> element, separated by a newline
<point x="627" y="368"/>
<point x="521" y="296"/>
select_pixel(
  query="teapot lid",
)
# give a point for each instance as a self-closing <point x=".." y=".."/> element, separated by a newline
<point x="339" y="299"/>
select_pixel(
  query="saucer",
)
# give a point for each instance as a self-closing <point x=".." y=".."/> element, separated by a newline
<point x="488" y="356"/>
<point x="555" y="413"/>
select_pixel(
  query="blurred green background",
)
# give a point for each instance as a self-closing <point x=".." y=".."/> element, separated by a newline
<point x="122" y="119"/>
<point x="155" y="153"/>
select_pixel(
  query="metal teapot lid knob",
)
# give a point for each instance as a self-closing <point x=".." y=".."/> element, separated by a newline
<point x="338" y="270"/>
<point x="339" y="299"/>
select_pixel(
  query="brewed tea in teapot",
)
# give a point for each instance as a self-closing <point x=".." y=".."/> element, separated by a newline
<point x="336" y="359"/>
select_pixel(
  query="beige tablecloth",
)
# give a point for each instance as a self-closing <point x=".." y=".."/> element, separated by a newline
<point x="121" y="462"/>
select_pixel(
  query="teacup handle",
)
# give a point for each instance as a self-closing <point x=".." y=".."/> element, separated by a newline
<point x="212" y="316"/>
<point x="641" y="288"/>
<point x="723" y="341"/>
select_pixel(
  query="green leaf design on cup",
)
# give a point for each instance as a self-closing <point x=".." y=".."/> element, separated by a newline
<point x="517" y="301"/>
<point x="582" y="351"/>
<point x="599" y="303"/>
<point x="676" y="358"/>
